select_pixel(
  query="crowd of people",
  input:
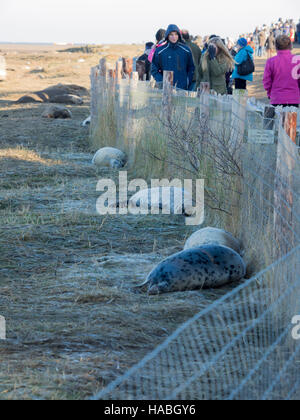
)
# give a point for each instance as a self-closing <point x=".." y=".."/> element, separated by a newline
<point x="226" y="64"/>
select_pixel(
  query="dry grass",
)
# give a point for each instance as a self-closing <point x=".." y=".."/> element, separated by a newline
<point x="66" y="274"/>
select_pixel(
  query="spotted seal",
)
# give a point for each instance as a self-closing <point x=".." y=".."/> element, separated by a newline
<point x="207" y="266"/>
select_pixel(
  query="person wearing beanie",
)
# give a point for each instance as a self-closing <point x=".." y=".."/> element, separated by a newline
<point x="282" y="87"/>
<point x="143" y="65"/>
<point x="196" y="51"/>
<point x="244" y="51"/>
<point x="174" y="56"/>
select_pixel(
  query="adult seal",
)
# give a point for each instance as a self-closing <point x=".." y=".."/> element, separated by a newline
<point x="207" y="266"/>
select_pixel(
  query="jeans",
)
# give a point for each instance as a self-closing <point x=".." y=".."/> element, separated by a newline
<point x="298" y="37"/>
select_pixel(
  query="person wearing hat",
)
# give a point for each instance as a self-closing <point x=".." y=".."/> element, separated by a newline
<point x="174" y="56"/>
<point x="280" y="82"/>
<point x="244" y="50"/>
<point x="143" y="64"/>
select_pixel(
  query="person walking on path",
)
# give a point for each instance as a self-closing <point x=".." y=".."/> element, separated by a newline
<point x="270" y="45"/>
<point x="280" y="81"/>
<point x="244" y="51"/>
<point x="298" y="32"/>
<point x="216" y="62"/>
<point x="174" y="56"/>
<point x="196" y="51"/>
<point x="262" y="42"/>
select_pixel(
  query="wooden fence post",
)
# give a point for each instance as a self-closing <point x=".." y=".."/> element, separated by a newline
<point x="204" y="93"/>
<point x="94" y="94"/>
<point x="239" y="114"/>
<point x="119" y="65"/>
<point x="102" y="83"/>
<point x="283" y="195"/>
<point x="168" y="79"/>
<point x="290" y="124"/>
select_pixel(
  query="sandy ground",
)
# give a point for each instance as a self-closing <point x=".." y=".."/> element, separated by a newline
<point x="66" y="274"/>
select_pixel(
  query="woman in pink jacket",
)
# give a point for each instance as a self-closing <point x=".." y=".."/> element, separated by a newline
<point x="281" y="80"/>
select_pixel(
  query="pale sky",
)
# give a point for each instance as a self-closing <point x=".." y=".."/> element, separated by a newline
<point x="133" y="21"/>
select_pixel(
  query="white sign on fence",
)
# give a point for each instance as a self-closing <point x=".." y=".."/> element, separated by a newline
<point x="2" y="328"/>
<point x="261" y="136"/>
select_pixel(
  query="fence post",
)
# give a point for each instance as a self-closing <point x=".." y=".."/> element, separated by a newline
<point x="102" y="84"/>
<point x="168" y="79"/>
<point x="283" y="194"/>
<point x="119" y="70"/>
<point x="94" y="97"/>
<point x="239" y="114"/>
<point x="204" y="93"/>
<point x="132" y="134"/>
<point x="290" y="124"/>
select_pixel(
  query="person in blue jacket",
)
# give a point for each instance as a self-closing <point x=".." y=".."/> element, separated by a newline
<point x="174" y="56"/>
<point x="243" y="51"/>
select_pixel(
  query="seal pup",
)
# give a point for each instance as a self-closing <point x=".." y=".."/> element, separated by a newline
<point x="109" y="157"/>
<point x="172" y="200"/>
<point x="207" y="266"/>
<point x="210" y="235"/>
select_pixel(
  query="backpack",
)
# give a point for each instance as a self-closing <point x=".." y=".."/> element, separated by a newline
<point x="246" y="67"/>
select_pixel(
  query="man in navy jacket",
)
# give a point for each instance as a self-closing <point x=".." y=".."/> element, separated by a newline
<point x="174" y="56"/>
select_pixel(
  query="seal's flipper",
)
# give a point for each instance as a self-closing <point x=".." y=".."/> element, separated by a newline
<point x="140" y="286"/>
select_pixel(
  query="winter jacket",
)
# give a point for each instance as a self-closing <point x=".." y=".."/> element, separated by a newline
<point x="144" y="58"/>
<point x="215" y="74"/>
<point x="281" y="86"/>
<point x="174" y="57"/>
<point x="196" y="52"/>
<point x="239" y="59"/>
<point x="270" y="44"/>
<point x="262" y="38"/>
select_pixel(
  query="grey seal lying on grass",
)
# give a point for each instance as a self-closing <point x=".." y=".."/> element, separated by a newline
<point x="207" y="266"/>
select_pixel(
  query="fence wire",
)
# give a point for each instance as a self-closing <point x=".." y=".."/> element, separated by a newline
<point x="241" y="346"/>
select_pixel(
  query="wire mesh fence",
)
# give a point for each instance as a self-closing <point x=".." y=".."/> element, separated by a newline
<point x="241" y="346"/>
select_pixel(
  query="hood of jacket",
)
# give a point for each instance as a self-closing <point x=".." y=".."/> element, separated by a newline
<point x="249" y="49"/>
<point x="173" y="28"/>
